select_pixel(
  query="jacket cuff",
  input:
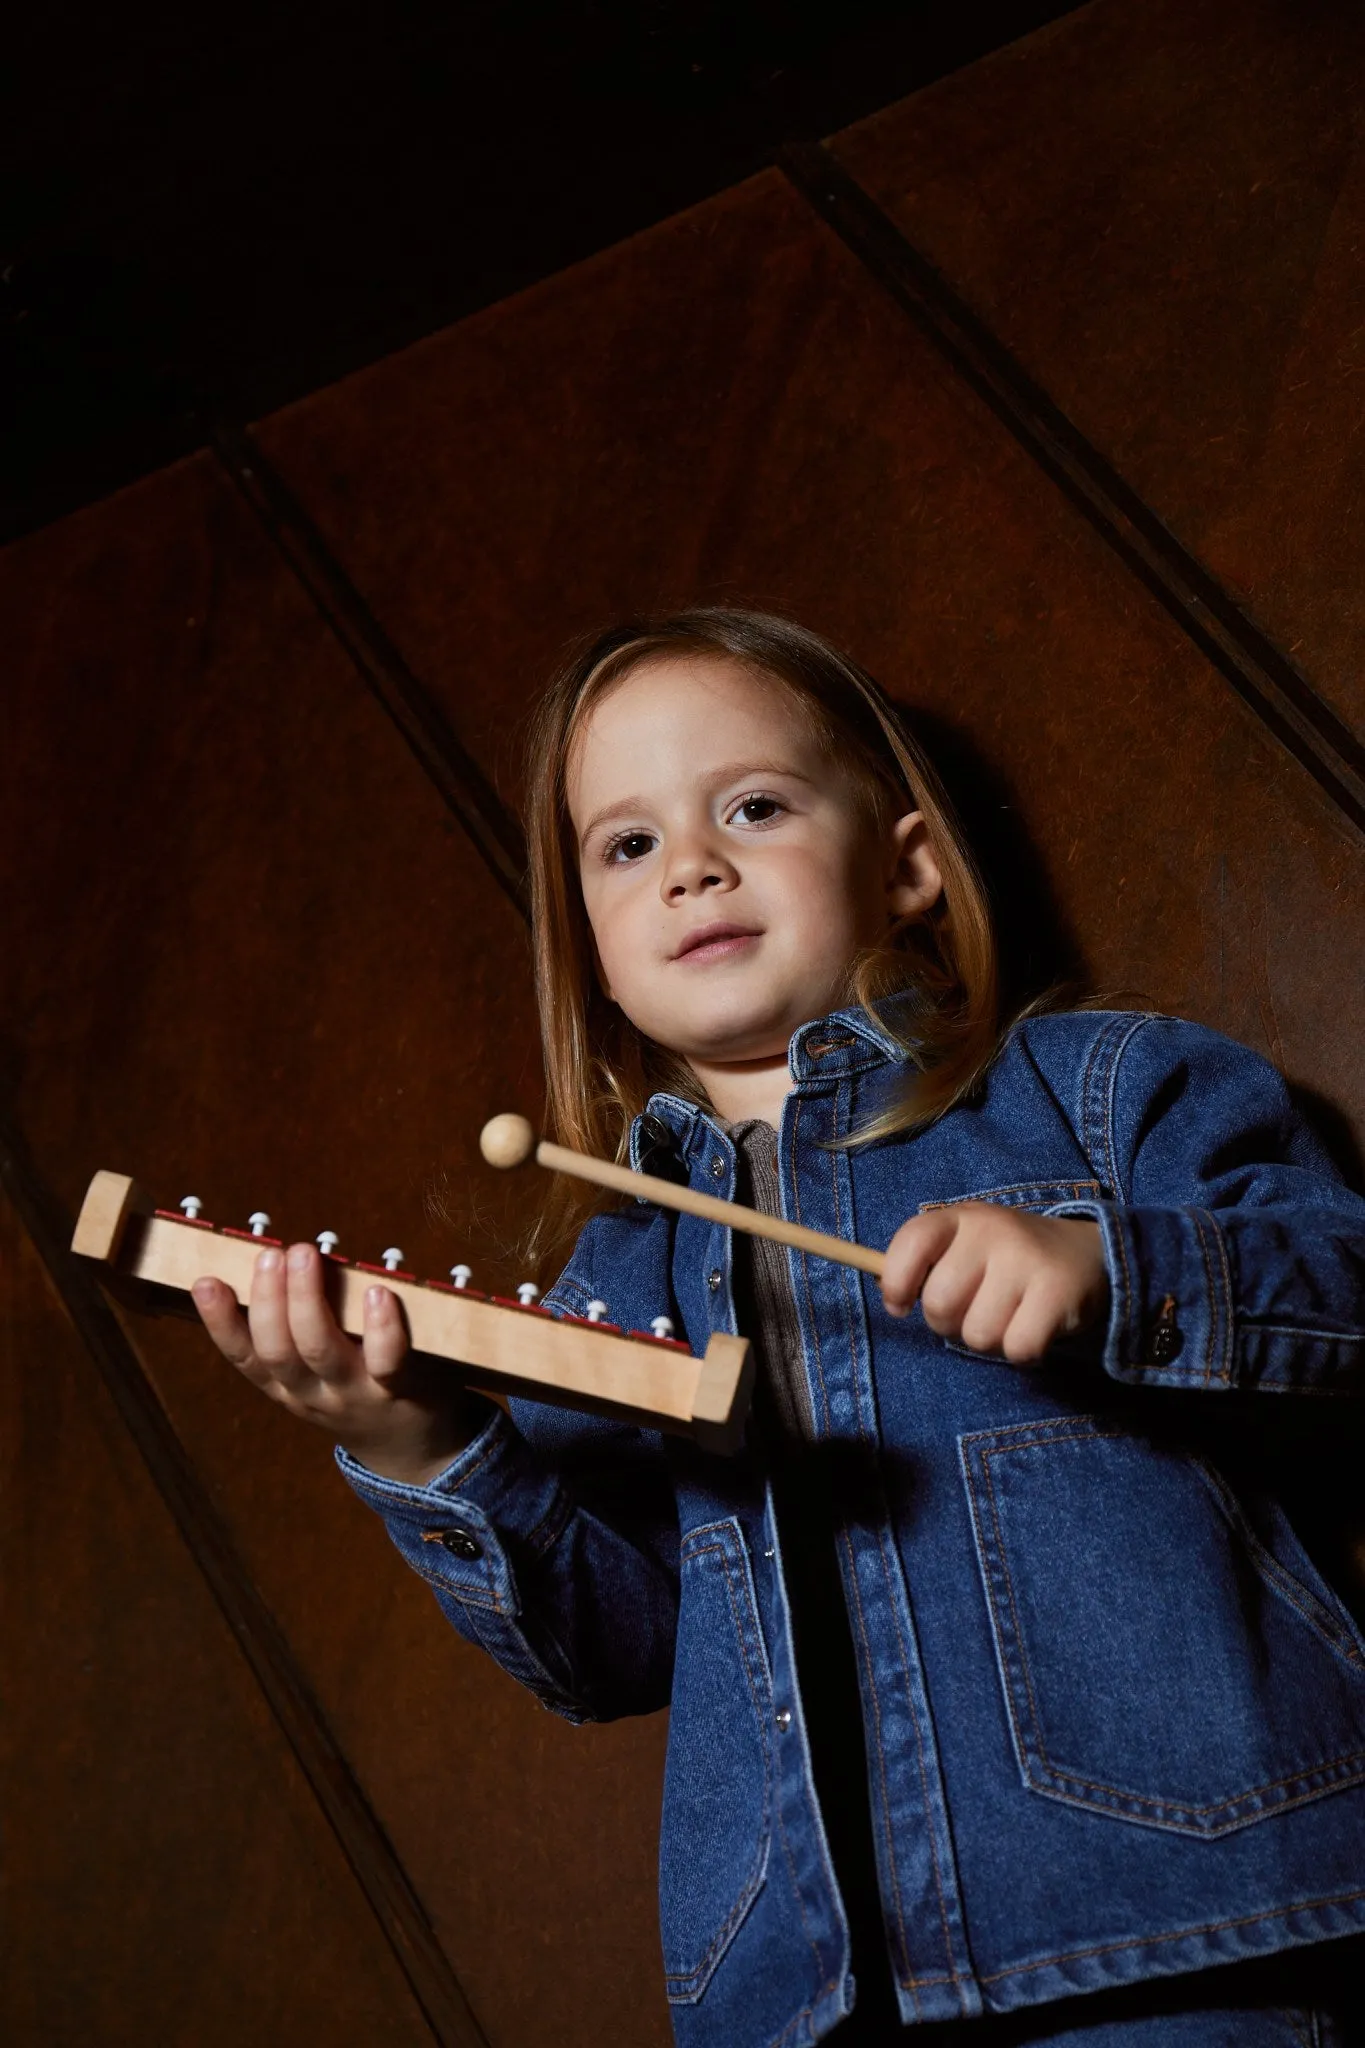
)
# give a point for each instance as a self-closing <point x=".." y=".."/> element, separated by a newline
<point x="1170" y="1295"/>
<point x="465" y="1530"/>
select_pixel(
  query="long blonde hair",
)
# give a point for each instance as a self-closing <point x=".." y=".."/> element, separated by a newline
<point x="599" y="1069"/>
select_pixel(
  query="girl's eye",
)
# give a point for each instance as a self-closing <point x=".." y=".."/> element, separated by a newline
<point x="628" y="847"/>
<point x="757" y="810"/>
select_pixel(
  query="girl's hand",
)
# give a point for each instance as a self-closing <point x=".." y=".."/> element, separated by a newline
<point x="401" y="1422"/>
<point x="998" y="1279"/>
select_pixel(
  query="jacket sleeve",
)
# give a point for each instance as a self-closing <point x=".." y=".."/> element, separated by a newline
<point x="567" y="1577"/>
<point x="1236" y="1255"/>
<point x="559" y="1557"/>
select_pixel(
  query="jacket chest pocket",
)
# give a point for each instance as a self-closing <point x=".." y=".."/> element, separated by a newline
<point x="718" y="1782"/>
<point x="1162" y="1660"/>
<point x="1025" y="1194"/>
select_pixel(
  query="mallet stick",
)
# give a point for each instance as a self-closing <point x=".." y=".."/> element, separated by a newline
<point x="510" y="1141"/>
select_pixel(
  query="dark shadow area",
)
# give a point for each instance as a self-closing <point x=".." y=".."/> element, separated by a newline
<point x="219" y="210"/>
<point x="12" y="1059"/>
<point x="1039" y="948"/>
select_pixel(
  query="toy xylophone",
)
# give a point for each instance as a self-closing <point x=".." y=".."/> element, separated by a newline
<point x="152" y="1257"/>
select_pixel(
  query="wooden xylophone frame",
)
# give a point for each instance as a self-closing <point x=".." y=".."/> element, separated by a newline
<point x="152" y="1257"/>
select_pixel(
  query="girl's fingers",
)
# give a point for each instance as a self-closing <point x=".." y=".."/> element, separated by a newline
<point x="323" y="1347"/>
<point x="225" y="1323"/>
<point x="268" y="1319"/>
<point x="911" y="1256"/>
<point x="385" y="1342"/>
<point x="954" y="1284"/>
<point x="991" y="1311"/>
<point x="996" y="1280"/>
<point x="1044" y="1312"/>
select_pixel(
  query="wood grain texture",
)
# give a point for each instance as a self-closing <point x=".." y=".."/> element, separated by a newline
<point x="252" y="952"/>
<point x="167" y="1875"/>
<point x="730" y="408"/>
<point x="1159" y="205"/>
<point x="248" y="930"/>
<point x="493" y="831"/>
<point x="1267" y="680"/>
<point x="398" y="1917"/>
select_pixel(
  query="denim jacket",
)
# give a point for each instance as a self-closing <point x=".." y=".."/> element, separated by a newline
<point x="1114" y="1711"/>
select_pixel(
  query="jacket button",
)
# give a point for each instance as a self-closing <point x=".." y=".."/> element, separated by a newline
<point x="460" y="1543"/>
<point x="784" y="1718"/>
<point x="713" y="1279"/>
<point x="659" y="1153"/>
<point x="717" y="1169"/>
<point x="1167" y="1340"/>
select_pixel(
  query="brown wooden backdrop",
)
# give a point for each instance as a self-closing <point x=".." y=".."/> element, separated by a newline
<point x="1041" y="391"/>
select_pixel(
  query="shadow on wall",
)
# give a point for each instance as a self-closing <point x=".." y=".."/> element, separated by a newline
<point x="1040" y="950"/>
<point x="1039" y="947"/>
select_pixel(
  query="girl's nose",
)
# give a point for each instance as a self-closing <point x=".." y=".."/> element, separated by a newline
<point x="694" y="869"/>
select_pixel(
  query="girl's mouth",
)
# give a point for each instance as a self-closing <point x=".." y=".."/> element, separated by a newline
<point x="716" y="941"/>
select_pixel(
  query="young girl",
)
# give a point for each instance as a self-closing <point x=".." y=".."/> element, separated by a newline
<point x="997" y="1674"/>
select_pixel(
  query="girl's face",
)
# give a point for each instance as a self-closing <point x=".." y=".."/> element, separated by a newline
<point x="731" y="874"/>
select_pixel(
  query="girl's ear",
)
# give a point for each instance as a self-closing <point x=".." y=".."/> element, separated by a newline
<point x="914" y="879"/>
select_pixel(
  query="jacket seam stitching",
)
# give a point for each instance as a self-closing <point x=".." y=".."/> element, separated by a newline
<point x="1078" y="1188"/>
<point x="804" y="2014"/>
<point x="919" y="1754"/>
<point x="1211" y="1299"/>
<point x="1093" y="1124"/>
<point x="1126" y="1306"/>
<point x="492" y="1605"/>
<point x="1124" y="1033"/>
<point x="908" y="1975"/>
<point x="848" y="1286"/>
<point x="805" y="1281"/>
<point x="1176" y="1934"/>
<point x="909" y="1979"/>
<point x="476" y="1468"/>
<point x="1277" y="1576"/>
<point x="750" y="1887"/>
<point x="1179" y="1819"/>
<point x="1223" y="1300"/>
<point x="986" y="1456"/>
<point x="796" y="1887"/>
<point x="826" y="1863"/>
<point x="819" y="1360"/>
<point x="1254" y="1326"/>
<point x="553" y="1523"/>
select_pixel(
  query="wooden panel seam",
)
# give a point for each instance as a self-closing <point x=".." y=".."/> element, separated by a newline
<point x="362" y="1839"/>
<point x="1279" y="694"/>
<point x="456" y="775"/>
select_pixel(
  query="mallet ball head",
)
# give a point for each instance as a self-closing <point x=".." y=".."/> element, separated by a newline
<point x="507" y="1140"/>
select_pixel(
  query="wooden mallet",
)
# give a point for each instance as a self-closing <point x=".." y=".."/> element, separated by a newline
<point x="509" y="1140"/>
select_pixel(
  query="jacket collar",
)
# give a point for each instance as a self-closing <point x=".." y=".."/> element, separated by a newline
<point x="828" y="1048"/>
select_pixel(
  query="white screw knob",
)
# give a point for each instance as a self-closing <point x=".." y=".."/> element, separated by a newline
<point x="327" y="1242"/>
<point x="392" y="1258"/>
<point x="596" y="1311"/>
<point x="191" y="1206"/>
<point x="662" y="1327"/>
<point x="528" y="1294"/>
<point x="259" y="1222"/>
<point x="462" y="1275"/>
